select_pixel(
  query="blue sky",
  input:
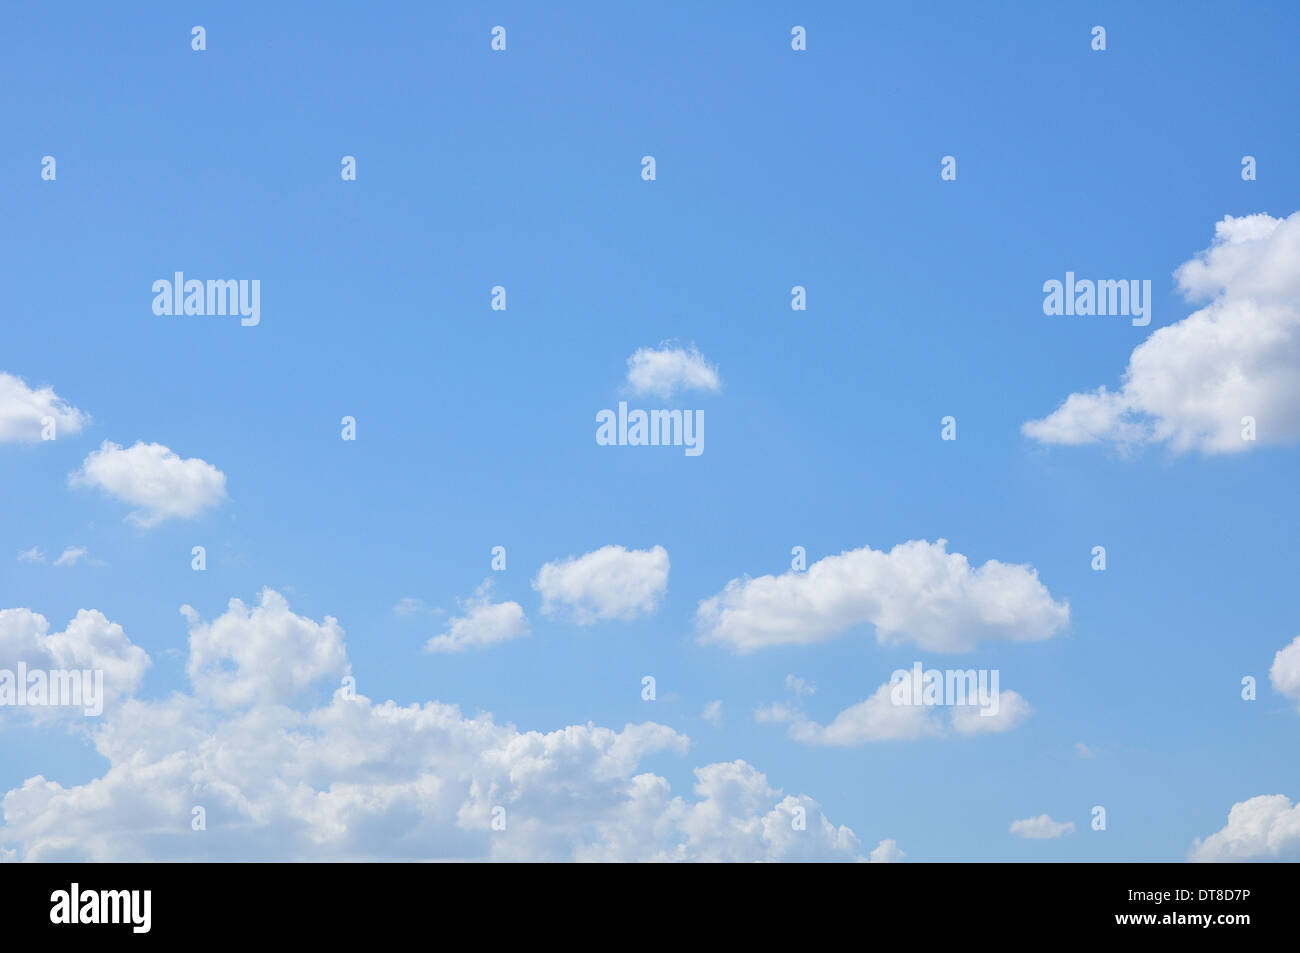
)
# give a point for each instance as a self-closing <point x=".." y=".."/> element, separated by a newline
<point x="475" y="427"/>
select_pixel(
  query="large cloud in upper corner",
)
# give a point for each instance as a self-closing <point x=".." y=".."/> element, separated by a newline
<point x="917" y="592"/>
<point x="666" y="370"/>
<point x="1266" y="828"/>
<point x="155" y="479"/>
<point x="22" y="410"/>
<point x="609" y="583"/>
<point x="1190" y="384"/>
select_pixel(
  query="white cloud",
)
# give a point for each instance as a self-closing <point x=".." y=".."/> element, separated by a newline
<point x="1285" y="671"/>
<point x="917" y="592"/>
<point x="713" y="713"/>
<point x="1041" y="827"/>
<point x="484" y="623"/>
<point x="1083" y="750"/>
<point x="411" y="605"/>
<point x="880" y="718"/>
<point x="799" y="686"/>
<point x="153" y="478"/>
<point x="609" y="583"/>
<point x="71" y="556"/>
<point x="22" y="409"/>
<point x="667" y="370"/>
<point x="733" y="819"/>
<point x="356" y="779"/>
<point x="1012" y="709"/>
<point x="1190" y="384"/>
<point x="887" y="852"/>
<point x="262" y="655"/>
<point x="874" y="719"/>
<point x="90" y="642"/>
<point x="1264" y="828"/>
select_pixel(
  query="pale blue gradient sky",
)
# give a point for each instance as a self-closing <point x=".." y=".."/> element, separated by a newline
<point x="476" y="427"/>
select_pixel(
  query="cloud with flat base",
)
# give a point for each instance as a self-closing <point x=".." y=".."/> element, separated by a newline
<point x="610" y="583"/>
<point x="666" y="370"/>
<point x="150" y="476"/>
<point x="1041" y="827"/>
<point x="917" y="593"/>
<point x="1263" y="828"/>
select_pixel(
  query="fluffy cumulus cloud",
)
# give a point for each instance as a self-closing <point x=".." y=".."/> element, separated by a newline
<point x="262" y="655"/>
<point x="918" y="592"/>
<point x="1285" y="671"/>
<point x="1189" y="385"/>
<point x="1263" y="828"/>
<point x="1041" y="827"/>
<point x="736" y="816"/>
<point x="609" y="583"/>
<point x="666" y="370"/>
<point x="153" y="478"/>
<point x="355" y="778"/>
<point x="22" y="409"/>
<point x="484" y="623"/>
<point x="89" y="643"/>
<point x="887" y="852"/>
<point x="891" y="714"/>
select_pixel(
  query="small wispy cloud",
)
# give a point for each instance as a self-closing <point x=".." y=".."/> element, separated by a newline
<point x="72" y="555"/>
<point x="25" y="413"/>
<point x="483" y="623"/>
<point x="665" y="370"/>
<point x="1041" y="827"/>
<point x="799" y="686"/>
<point x="410" y="605"/>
